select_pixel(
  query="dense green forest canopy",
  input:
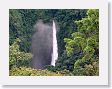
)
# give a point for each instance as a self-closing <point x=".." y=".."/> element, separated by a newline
<point x="77" y="36"/>
<point x="22" y="22"/>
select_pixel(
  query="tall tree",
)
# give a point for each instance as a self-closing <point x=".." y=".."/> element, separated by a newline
<point x="86" y="41"/>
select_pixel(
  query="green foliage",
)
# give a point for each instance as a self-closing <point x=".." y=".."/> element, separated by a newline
<point x="88" y="70"/>
<point x="16" y="57"/>
<point x="65" y="19"/>
<point x="23" y="71"/>
<point x="66" y="63"/>
<point x="21" y="22"/>
<point x="77" y="36"/>
<point x="87" y="40"/>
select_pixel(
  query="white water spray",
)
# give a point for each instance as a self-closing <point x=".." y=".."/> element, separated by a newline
<point x="55" y="47"/>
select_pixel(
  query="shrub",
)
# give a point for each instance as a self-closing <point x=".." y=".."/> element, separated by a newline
<point x="16" y="57"/>
<point x="23" y="71"/>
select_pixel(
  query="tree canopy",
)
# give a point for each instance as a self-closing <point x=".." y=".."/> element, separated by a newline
<point x="77" y="36"/>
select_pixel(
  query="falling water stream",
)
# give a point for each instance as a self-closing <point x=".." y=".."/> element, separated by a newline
<point x="55" y="46"/>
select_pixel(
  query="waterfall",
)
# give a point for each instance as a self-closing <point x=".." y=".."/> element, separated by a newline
<point x="55" y="46"/>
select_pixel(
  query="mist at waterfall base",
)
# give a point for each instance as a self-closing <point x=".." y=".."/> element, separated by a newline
<point x="44" y="45"/>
